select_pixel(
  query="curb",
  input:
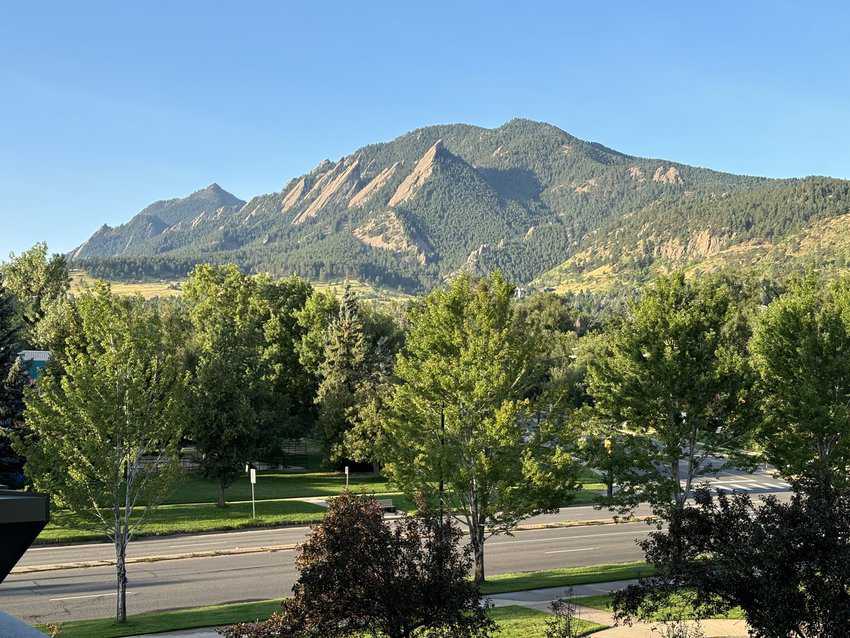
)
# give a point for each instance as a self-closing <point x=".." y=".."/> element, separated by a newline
<point x="587" y="523"/>
<point x="32" y="569"/>
<point x="236" y="551"/>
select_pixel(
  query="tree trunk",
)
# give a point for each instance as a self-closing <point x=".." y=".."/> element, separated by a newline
<point x="121" y="577"/>
<point x="610" y="484"/>
<point x="220" y="502"/>
<point x="477" y="538"/>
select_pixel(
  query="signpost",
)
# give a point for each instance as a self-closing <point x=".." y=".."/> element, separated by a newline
<point x="253" y="482"/>
<point x="346" y="477"/>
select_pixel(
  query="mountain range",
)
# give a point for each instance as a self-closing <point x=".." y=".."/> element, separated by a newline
<point x="548" y="209"/>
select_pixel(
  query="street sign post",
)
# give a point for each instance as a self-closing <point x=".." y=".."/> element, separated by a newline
<point x="253" y="482"/>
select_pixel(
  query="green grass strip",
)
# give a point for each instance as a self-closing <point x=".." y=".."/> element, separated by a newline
<point x="514" y="621"/>
<point x="678" y="608"/>
<point x="174" y="620"/>
<point x="564" y="577"/>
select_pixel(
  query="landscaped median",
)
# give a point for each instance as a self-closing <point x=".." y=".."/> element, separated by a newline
<point x="191" y="508"/>
<point x="514" y="622"/>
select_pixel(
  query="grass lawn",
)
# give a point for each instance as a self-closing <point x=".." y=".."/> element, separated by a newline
<point x="173" y="519"/>
<point x="564" y="577"/>
<point x="190" y="507"/>
<point x="521" y="622"/>
<point x="192" y="488"/>
<point x="514" y="622"/>
<point x="174" y="620"/>
<point x="677" y="608"/>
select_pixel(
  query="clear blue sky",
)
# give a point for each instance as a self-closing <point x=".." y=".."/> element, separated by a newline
<point x="105" y="107"/>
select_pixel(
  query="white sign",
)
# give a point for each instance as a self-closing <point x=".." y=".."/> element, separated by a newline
<point x="253" y="476"/>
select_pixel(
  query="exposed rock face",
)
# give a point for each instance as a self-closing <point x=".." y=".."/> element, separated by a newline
<point x="636" y="174"/>
<point x="293" y="195"/>
<point x="337" y="183"/>
<point x="702" y="244"/>
<point x="388" y="233"/>
<point x="669" y="176"/>
<point x="420" y="173"/>
<point x="376" y="184"/>
<point x="475" y="263"/>
<point x="588" y="186"/>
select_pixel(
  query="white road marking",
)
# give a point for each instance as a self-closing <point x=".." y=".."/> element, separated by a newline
<point x="735" y="486"/>
<point x="200" y="544"/>
<point x="567" y="551"/>
<point x="569" y="538"/>
<point x="56" y="600"/>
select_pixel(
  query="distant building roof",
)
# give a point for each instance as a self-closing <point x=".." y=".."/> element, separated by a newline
<point x="34" y="361"/>
<point x="35" y="355"/>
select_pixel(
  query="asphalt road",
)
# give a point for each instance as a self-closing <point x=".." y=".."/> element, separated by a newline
<point x="70" y="594"/>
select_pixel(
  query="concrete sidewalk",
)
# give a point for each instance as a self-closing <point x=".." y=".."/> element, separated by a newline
<point x="541" y="599"/>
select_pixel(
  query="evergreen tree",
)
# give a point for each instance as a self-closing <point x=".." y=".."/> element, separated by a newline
<point x="13" y="380"/>
<point x="342" y="370"/>
<point x="9" y="331"/>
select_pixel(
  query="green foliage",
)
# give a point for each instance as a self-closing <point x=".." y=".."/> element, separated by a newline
<point x="120" y="399"/>
<point x="248" y="391"/>
<point x="459" y="413"/>
<point x="674" y="378"/>
<point x="315" y="318"/>
<point x="102" y="439"/>
<point x="784" y="564"/>
<point x="801" y="351"/>
<point x="342" y="370"/>
<point x="36" y="280"/>
<point x="361" y="575"/>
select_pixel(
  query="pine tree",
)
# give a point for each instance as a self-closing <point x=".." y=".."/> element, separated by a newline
<point x="9" y="331"/>
<point x="9" y="346"/>
<point x="341" y="372"/>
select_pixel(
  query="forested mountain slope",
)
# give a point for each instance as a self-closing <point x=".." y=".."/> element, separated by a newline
<point x="526" y="197"/>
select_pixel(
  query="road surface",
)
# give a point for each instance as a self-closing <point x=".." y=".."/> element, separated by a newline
<point x="71" y="594"/>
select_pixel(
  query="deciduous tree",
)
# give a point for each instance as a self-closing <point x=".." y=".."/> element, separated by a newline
<point x="105" y="432"/>
<point x="36" y="280"/>
<point x="801" y="352"/>
<point x="674" y="377"/>
<point x="786" y="565"/>
<point x="248" y="389"/>
<point x="361" y="575"/>
<point x="460" y="426"/>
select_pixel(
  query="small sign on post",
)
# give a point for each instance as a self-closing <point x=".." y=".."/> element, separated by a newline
<point x="253" y="473"/>
<point x="346" y="477"/>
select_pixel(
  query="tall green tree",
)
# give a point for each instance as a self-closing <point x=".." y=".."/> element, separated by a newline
<point x="226" y="384"/>
<point x="286" y="407"/>
<point x="36" y="279"/>
<point x="801" y="352"/>
<point x="13" y="380"/>
<point x="343" y="369"/>
<point x="103" y="436"/>
<point x="249" y="390"/>
<point x="674" y="377"/>
<point x="459" y="426"/>
<point x="314" y="319"/>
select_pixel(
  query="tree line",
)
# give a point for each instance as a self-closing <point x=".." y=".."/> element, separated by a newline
<point x="485" y="407"/>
